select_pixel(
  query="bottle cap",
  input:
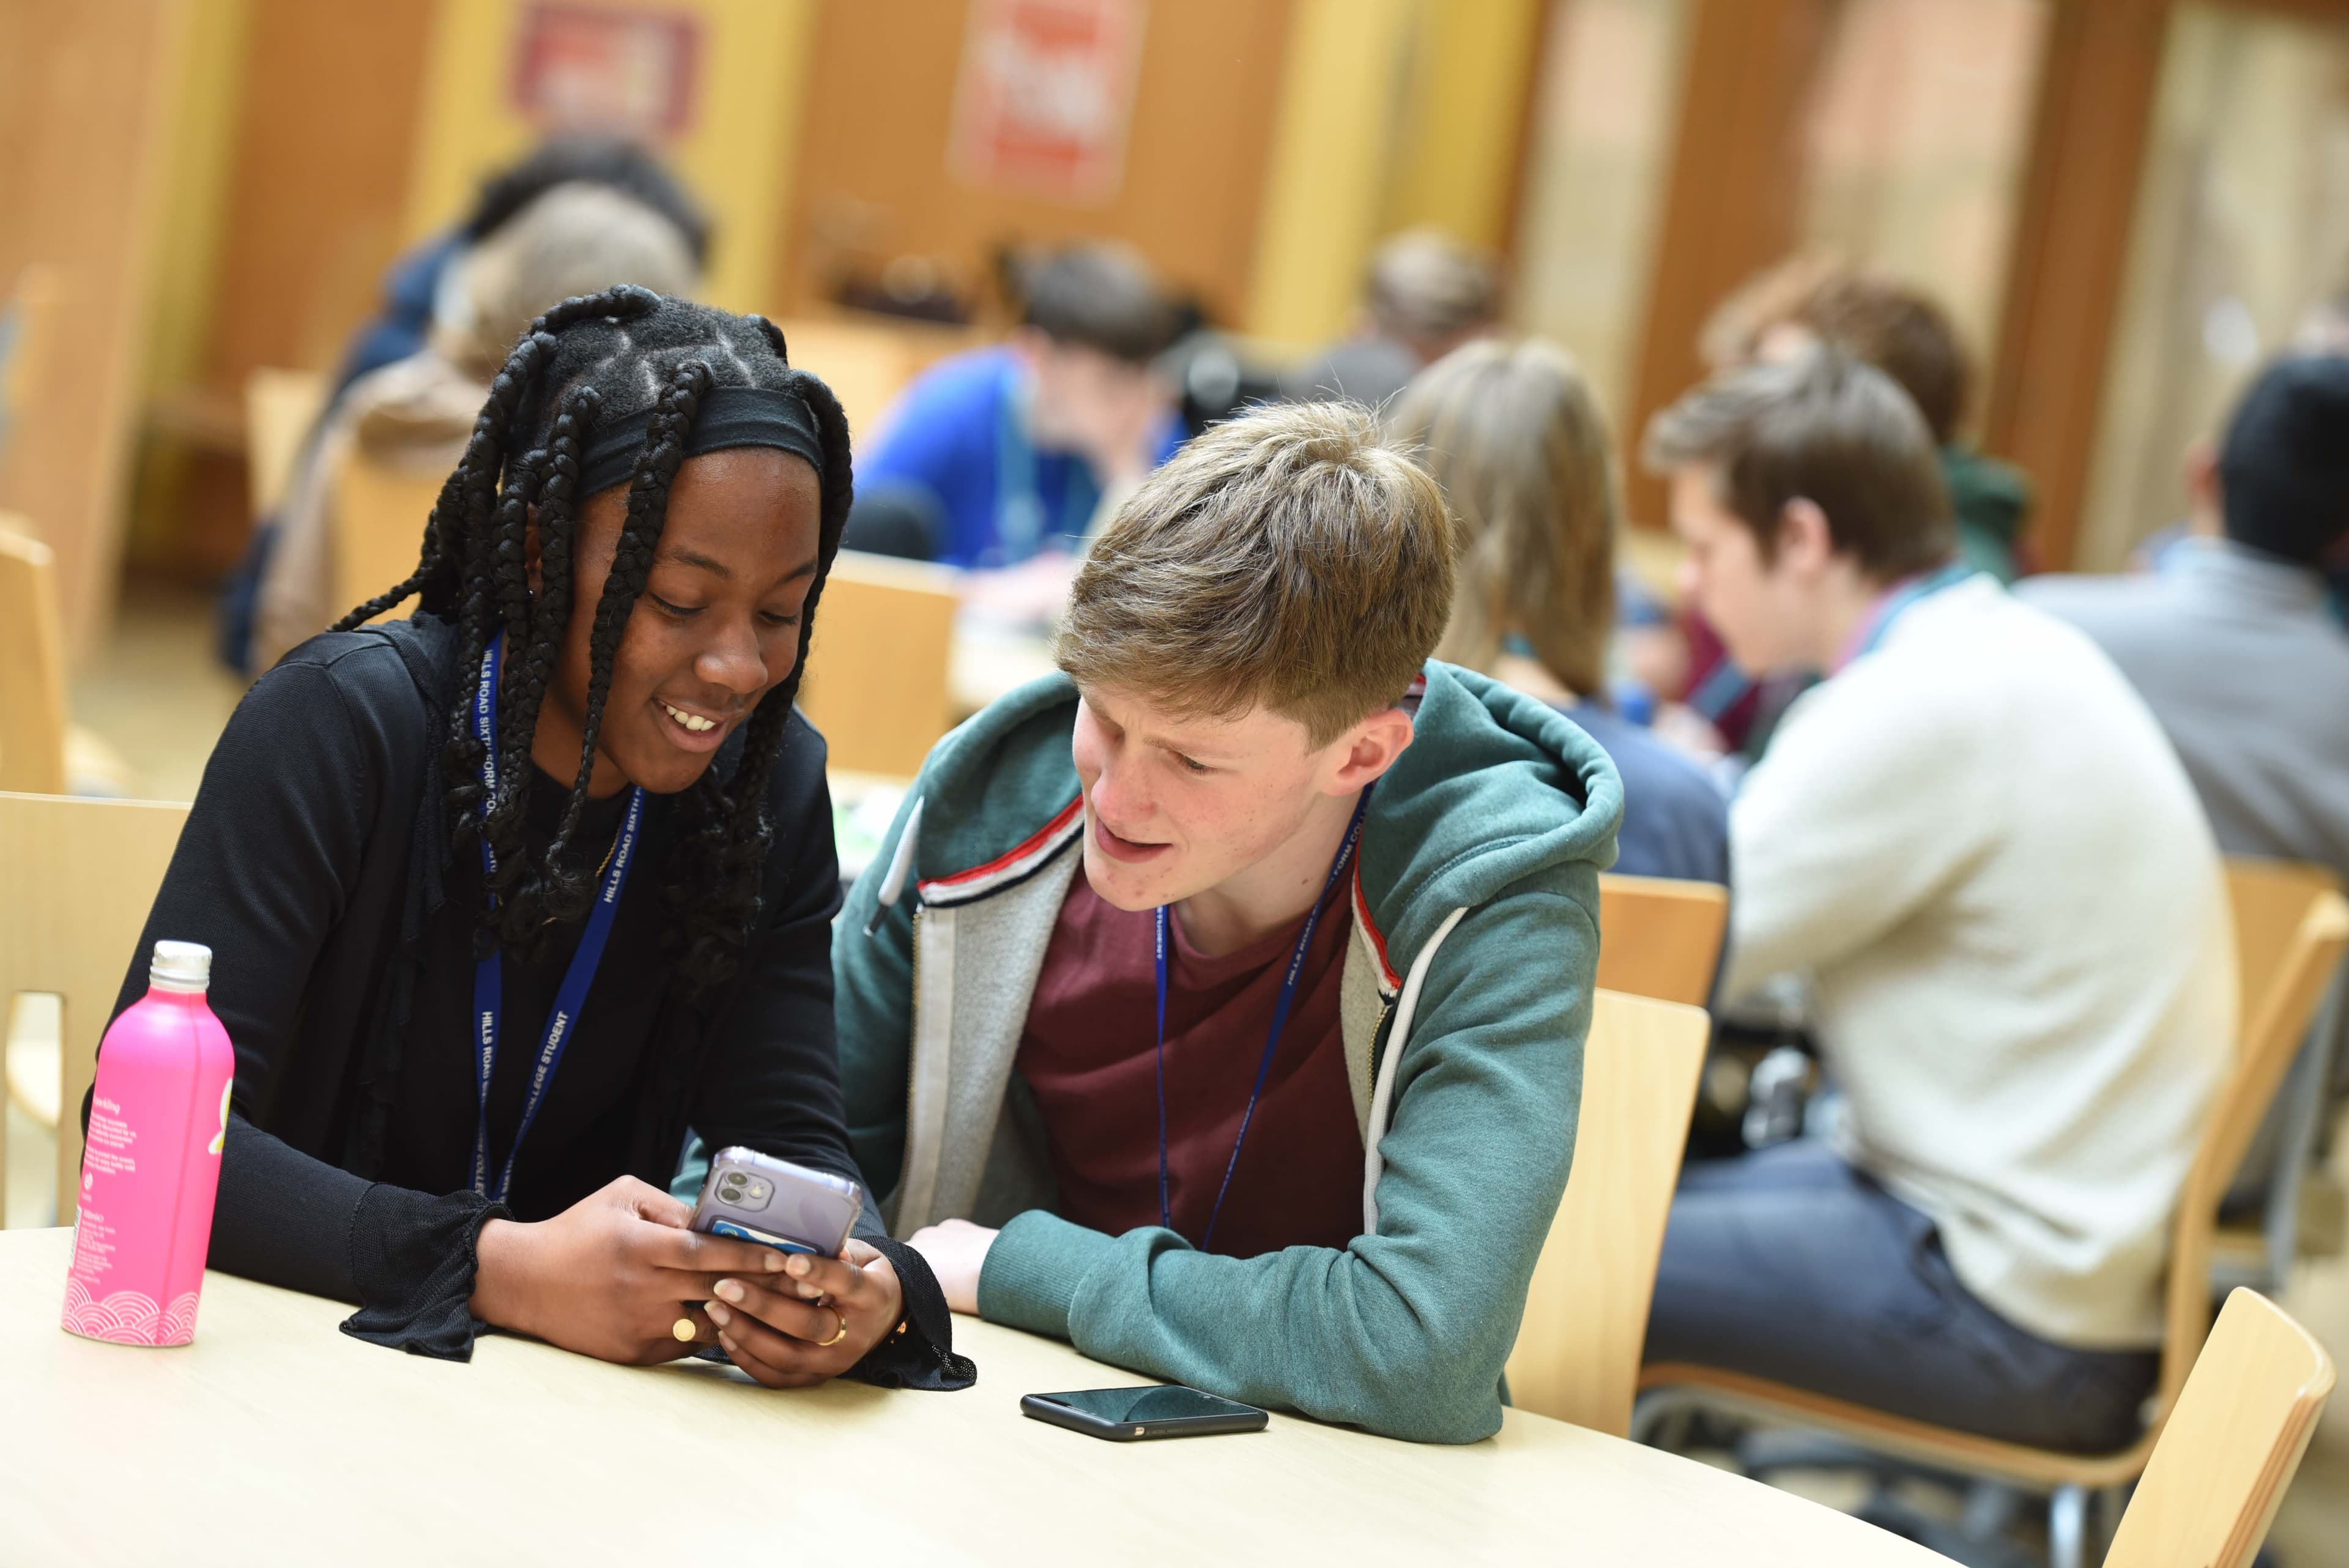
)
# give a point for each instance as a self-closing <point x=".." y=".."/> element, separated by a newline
<point x="181" y="966"/>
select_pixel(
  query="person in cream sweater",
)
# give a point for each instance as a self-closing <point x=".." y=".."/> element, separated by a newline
<point x="1974" y="841"/>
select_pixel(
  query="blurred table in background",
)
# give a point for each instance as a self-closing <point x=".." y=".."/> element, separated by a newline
<point x="866" y="359"/>
<point x="989" y="660"/>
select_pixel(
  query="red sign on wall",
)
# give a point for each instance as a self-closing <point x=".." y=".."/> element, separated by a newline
<point x="634" y="73"/>
<point x="1045" y="95"/>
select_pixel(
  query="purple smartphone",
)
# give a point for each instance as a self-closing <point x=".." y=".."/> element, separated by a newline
<point x="752" y="1196"/>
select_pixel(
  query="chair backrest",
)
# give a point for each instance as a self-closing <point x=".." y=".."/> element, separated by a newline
<point x="380" y="516"/>
<point x="32" y="665"/>
<point x="1660" y="938"/>
<point x="77" y="880"/>
<point x="1578" y="1350"/>
<point x="877" y="676"/>
<point x="2301" y="939"/>
<point x="280" y="407"/>
<point x="2269" y="899"/>
<point x="2231" y="1446"/>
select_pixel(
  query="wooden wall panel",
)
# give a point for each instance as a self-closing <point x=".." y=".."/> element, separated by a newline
<point x="1732" y="208"/>
<point x="85" y="98"/>
<point x="321" y="181"/>
<point x="873" y="179"/>
<point x="2070" y="253"/>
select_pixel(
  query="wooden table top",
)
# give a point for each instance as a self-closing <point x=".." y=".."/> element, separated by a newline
<point x="275" y="1439"/>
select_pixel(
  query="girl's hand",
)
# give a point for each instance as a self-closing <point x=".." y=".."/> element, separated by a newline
<point x="612" y="1275"/>
<point x="814" y="1320"/>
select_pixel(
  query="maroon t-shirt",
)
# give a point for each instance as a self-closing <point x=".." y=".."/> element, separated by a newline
<point x="1087" y="1054"/>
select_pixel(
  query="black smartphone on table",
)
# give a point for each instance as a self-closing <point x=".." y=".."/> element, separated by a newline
<point x="1138" y="1414"/>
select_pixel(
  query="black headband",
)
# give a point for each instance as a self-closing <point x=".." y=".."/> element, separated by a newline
<point x="727" y="417"/>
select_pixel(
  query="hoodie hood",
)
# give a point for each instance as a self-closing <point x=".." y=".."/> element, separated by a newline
<point x="1497" y="789"/>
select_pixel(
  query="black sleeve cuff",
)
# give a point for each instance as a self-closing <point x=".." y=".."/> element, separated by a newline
<point x="919" y="1352"/>
<point x="413" y="1261"/>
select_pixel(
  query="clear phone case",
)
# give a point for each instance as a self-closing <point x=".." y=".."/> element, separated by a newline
<point x="754" y="1197"/>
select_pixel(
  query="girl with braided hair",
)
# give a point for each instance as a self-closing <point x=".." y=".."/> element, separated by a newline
<point x="506" y="896"/>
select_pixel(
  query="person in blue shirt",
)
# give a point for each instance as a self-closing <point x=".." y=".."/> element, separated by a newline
<point x="1007" y="452"/>
<point x="1513" y="435"/>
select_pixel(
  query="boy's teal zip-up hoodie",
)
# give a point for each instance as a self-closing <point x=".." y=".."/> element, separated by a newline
<point x="1465" y="996"/>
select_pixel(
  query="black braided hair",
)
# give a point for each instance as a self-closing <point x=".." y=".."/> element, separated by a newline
<point x="612" y="353"/>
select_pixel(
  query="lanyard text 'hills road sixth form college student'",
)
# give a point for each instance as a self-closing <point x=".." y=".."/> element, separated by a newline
<point x="489" y="978"/>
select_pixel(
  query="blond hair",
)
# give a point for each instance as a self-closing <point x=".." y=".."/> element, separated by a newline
<point x="1513" y="435"/>
<point x="1288" y="559"/>
<point x="576" y="238"/>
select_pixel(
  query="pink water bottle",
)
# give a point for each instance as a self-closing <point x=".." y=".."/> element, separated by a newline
<point x="150" y="1166"/>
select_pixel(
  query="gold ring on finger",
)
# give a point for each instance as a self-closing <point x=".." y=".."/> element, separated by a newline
<point x="838" y="1333"/>
<point x="684" y="1330"/>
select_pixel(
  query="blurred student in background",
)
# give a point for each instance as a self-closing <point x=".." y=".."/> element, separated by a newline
<point x="1426" y="295"/>
<point x="415" y="415"/>
<point x="2229" y="641"/>
<point x="1784" y="313"/>
<point x="1517" y="442"/>
<point x="1975" y="840"/>
<point x="1009" y="452"/>
<point x="412" y="298"/>
<point x="1904" y="333"/>
<point x="2324" y="330"/>
<point x="412" y="287"/>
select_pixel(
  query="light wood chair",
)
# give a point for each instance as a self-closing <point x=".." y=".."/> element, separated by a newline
<point x="32" y="665"/>
<point x="2296" y="980"/>
<point x="280" y="408"/>
<point x="77" y="880"/>
<point x="1586" y="1319"/>
<point x="380" y="513"/>
<point x="877" y="676"/>
<point x="2228" y="1454"/>
<point x="2269" y="899"/>
<point x="1660" y="938"/>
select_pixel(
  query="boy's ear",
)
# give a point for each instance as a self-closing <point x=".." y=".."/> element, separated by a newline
<point x="1371" y="749"/>
<point x="1804" y="542"/>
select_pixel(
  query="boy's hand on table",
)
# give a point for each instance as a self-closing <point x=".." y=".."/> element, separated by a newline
<point x="955" y="1251"/>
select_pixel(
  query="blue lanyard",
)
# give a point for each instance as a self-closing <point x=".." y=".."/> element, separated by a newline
<point x="489" y="973"/>
<point x="1271" y="1040"/>
<point x="1899" y="602"/>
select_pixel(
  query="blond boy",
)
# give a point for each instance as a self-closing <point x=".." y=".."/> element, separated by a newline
<point x="1307" y="1158"/>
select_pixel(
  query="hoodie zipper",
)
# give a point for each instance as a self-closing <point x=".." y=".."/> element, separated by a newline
<point x="913" y="1033"/>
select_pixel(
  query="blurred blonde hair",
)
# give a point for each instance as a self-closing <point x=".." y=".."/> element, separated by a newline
<point x="577" y="238"/>
<point x="1517" y="445"/>
<point x="1288" y="559"/>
